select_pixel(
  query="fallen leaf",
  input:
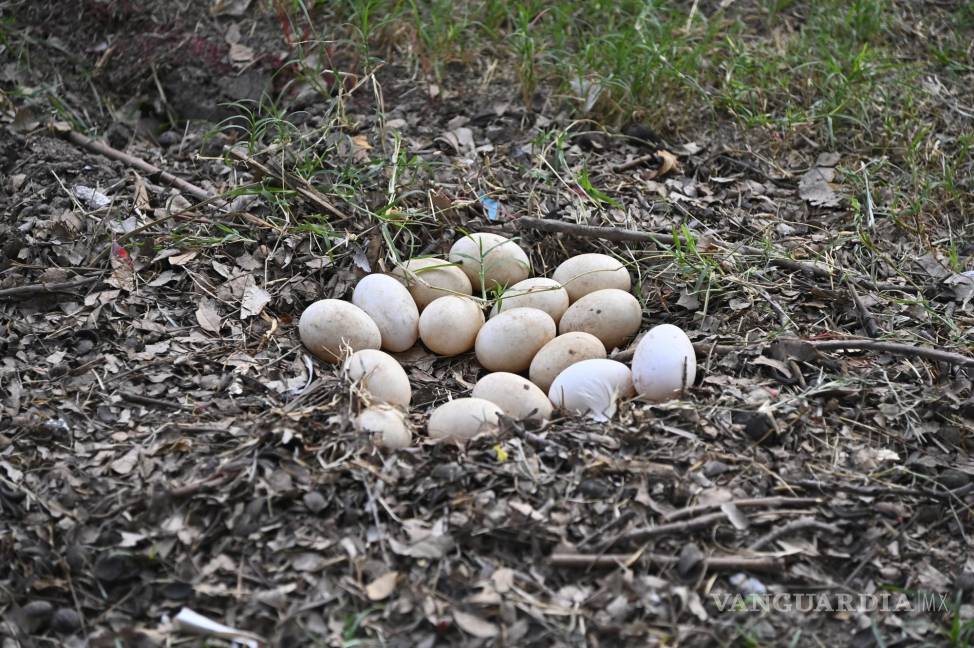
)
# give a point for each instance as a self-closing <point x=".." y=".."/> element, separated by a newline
<point x="816" y="187"/>
<point x="382" y="586"/>
<point x="474" y="625"/>
<point x="124" y="464"/>
<point x="254" y="300"/>
<point x="207" y="316"/>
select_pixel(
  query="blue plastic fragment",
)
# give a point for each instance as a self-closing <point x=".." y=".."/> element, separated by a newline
<point x="491" y="206"/>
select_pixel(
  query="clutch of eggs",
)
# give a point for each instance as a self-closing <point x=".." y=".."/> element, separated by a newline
<point x="555" y="330"/>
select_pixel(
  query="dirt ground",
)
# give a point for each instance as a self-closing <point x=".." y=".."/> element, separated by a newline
<point x="166" y="443"/>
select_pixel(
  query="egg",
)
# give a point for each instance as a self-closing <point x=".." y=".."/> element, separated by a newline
<point x="501" y="260"/>
<point x="387" y="425"/>
<point x="562" y="352"/>
<point x="392" y="309"/>
<point x="380" y="377"/>
<point x="429" y="278"/>
<point x="586" y="273"/>
<point x="509" y="341"/>
<point x="592" y="387"/>
<point x="449" y="325"/>
<point x="664" y="364"/>
<point x="612" y="315"/>
<point x="517" y="397"/>
<point x="463" y="418"/>
<point x="328" y="326"/>
<point x="537" y="292"/>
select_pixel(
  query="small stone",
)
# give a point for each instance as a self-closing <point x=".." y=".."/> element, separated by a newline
<point x="36" y="616"/>
<point x="965" y="581"/>
<point x="314" y="501"/>
<point x="66" y="621"/>
<point x="715" y="468"/>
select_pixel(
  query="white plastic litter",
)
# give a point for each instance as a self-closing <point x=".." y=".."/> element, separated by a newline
<point x="192" y="622"/>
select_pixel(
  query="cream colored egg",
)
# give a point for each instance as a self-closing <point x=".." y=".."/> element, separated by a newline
<point x="330" y="326"/>
<point x="536" y="292"/>
<point x="586" y="273"/>
<point x="449" y="325"/>
<point x="508" y="341"/>
<point x="592" y="387"/>
<point x="387" y="425"/>
<point x="562" y="352"/>
<point x="611" y="315"/>
<point x="463" y="418"/>
<point x="517" y="397"/>
<point x="392" y="309"/>
<point x="430" y="278"/>
<point x="664" y="364"/>
<point x="380" y="377"/>
<point x="501" y="260"/>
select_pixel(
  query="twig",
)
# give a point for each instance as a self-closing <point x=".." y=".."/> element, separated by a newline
<point x="645" y="533"/>
<point x="896" y="348"/>
<point x="866" y="318"/>
<point x="112" y="153"/>
<point x="715" y="563"/>
<point x="757" y="502"/>
<point x="795" y="525"/>
<point x="632" y="164"/>
<point x="57" y="286"/>
<point x="146" y="400"/>
<point x="622" y="235"/>
<point x="295" y="183"/>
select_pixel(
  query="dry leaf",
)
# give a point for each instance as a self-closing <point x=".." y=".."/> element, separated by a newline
<point x="207" y="316"/>
<point x="382" y="586"/>
<point x="254" y="300"/>
<point x="124" y="464"/>
<point x="474" y="625"/>
<point x="816" y="187"/>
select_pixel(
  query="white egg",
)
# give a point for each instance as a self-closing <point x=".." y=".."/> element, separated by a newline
<point x="463" y="418"/>
<point x="518" y="397"/>
<point x="430" y="278"/>
<point x="536" y="292"/>
<point x="501" y="260"/>
<point x="449" y="325"/>
<point x="380" y="377"/>
<point x="612" y="315"/>
<point x="392" y="309"/>
<point x="586" y="273"/>
<point x="387" y="425"/>
<point x="664" y="364"/>
<point x="329" y="327"/>
<point x="592" y="387"/>
<point x="562" y="352"/>
<point x="508" y="341"/>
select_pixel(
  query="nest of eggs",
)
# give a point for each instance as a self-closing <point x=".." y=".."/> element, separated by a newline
<point x="545" y="341"/>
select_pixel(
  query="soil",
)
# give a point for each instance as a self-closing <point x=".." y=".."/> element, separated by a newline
<point x="167" y="444"/>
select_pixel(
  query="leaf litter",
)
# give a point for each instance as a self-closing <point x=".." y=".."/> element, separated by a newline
<point x="171" y="460"/>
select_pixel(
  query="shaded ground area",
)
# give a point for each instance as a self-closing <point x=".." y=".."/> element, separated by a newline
<point x="166" y="443"/>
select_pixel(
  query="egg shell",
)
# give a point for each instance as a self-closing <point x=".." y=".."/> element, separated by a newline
<point x="328" y="326"/>
<point x="463" y="418"/>
<point x="592" y="387"/>
<point x="387" y="425"/>
<point x="562" y="352"/>
<point x="536" y="292"/>
<point x="429" y="278"/>
<point x="586" y="273"/>
<point x="449" y="325"/>
<point x="392" y="309"/>
<point x="380" y="377"/>
<point x="504" y="262"/>
<point x="508" y="341"/>
<point x="612" y="315"/>
<point x="664" y="364"/>
<point x="518" y="397"/>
